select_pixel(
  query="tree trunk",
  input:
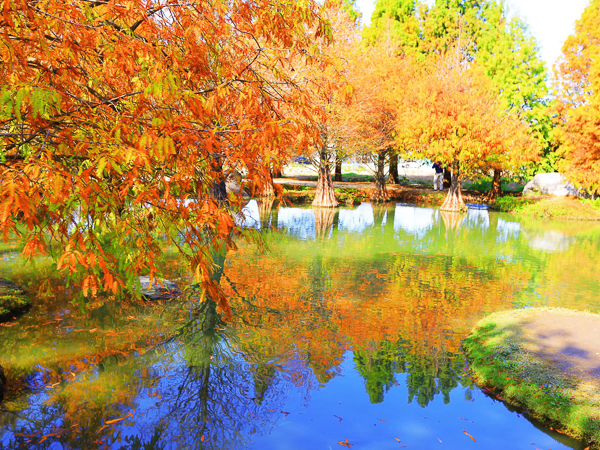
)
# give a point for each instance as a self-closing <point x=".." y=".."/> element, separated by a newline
<point x="394" y="177"/>
<point x="324" y="195"/>
<point x="447" y="178"/>
<point x="454" y="200"/>
<point x="277" y="171"/>
<point x="267" y="189"/>
<point x="380" y="193"/>
<point x="496" y="186"/>
<point x="218" y="189"/>
<point x="338" y="169"/>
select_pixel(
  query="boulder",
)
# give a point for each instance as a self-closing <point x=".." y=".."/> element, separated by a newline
<point x="159" y="289"/>
<point x="551" y="184"/>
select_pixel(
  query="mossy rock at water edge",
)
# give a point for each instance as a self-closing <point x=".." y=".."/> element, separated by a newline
<point x="12" y="300"/>
<point x="545" y="361"/>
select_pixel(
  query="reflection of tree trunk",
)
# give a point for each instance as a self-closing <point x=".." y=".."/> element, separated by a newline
<point x="452" y="219"/>
<point x="496" y="186"/>
<point x="275" y="214"/>
<point x="378" y="215"/>
<point x="2" y="383"/>
<point x="324" y="220"/>
<point x="493" y="228"/>
<point x="263" y="376"/>
<point x="380" y="193"/>
<point x="338" y="168"/>
<point x="265" y="205"/>
<point x="454" y="200"/>
<point x="394" y="177"/>
<point x="324" y="195"/>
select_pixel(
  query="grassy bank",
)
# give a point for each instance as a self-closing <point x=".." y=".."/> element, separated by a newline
<point x="503" y="362"/>
<point x="550" y="207"/>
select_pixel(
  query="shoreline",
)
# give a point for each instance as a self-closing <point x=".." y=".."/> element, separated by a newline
<point x="545" y="361"/>
<point x="302" y="191"/>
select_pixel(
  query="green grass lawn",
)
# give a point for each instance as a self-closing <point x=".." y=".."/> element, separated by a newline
<point x="550" y="207"/>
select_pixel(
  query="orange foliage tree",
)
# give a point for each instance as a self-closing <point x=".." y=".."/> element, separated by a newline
<point x="579" y="101"/>
<point x="121" y="119"/>
<point x="331" y="97"/>
<point x="453" y="116"/>
<point x="378" y="72"/>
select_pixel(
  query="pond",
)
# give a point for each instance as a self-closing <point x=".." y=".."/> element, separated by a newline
<point x="346" y="331"/>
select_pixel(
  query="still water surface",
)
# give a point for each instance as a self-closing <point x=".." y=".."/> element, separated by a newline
<point x="347" y="327"/>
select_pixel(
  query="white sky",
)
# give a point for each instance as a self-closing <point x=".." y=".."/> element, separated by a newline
<point x="549" y="21"/>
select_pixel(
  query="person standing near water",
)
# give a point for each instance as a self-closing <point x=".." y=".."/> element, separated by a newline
<point x="438" y="177"/>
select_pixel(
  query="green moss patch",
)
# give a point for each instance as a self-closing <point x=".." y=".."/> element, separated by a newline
<point x="506" y="362"/>
<point x="12" y="299"/>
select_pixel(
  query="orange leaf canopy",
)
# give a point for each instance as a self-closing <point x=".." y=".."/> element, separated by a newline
<point x="119" y="119"/>
<point x="579" y="101"/>
<point x="451" y="114"/>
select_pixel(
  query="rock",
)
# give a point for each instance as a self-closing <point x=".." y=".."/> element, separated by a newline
<point x="12" y="299"/>
<point x="160" y="289"/>
<point x="550" y="183"/>
<point x="512" y="187"/>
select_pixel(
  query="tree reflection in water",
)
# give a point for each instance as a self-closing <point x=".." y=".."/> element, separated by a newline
<point x="396" y="305"/>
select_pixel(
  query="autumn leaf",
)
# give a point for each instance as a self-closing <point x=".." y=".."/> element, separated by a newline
<point x="471" y="437"/>
<point x="345" y="443"/>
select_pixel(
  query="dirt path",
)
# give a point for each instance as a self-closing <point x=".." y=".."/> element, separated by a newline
<point x="572" y="341"/>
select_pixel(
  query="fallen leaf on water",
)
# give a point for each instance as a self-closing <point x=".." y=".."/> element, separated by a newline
<point x="8" y="324"/>
<point x="439" y="440"/>
<point x="472" y="438"/>
<point x="122" y="418"/>
<point x="345" y="443"/>
<point x="398" y="439"/>
<point x="110" y="422"/>
<point x="46" y="436"/>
